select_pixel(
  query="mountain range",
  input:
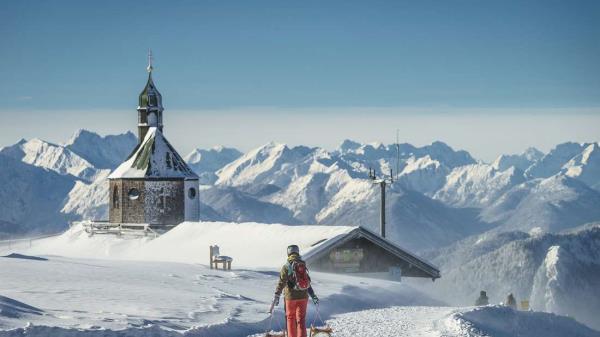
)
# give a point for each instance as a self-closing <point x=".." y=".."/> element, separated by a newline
<point x="439" y="196"/>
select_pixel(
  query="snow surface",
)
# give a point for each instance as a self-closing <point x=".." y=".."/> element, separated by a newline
<point x="252" y="245"/>
<point x="110" y="291"/>
<point x="110" y="295"/>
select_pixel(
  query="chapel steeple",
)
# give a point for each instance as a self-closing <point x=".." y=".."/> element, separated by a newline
<point x="150" y="107"/>
<point x="154" y="185"/>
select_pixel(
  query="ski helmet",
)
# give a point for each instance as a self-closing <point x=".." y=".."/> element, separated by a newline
<point x="293" y="249"/>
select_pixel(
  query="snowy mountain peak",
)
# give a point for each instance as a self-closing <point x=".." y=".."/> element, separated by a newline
<point x="532" y="154"/>
<point x="413" y="164"/>
<point x="551" y="163"/>
<point x="521" y="161"/>
<point x="585" y="166"/>
<point x="590" y="150"/>
<point x="206" y="162"/>
<point x="103" y="152"/>
<point x="347" y="146"/>
<point x="477" y="185"/>
<point x="270" y="162"/>
<point x="51" y="156"/>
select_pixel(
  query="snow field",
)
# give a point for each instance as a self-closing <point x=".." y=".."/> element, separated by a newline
<point x="95" y="295"/>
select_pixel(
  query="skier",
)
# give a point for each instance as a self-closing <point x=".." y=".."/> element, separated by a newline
<point x="511" y="301"/>
<point x="483" y="299"/>
<point x="295" y="283"/>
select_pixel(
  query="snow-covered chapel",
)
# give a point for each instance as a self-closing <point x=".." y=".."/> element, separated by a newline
<point x="154" y="185"/>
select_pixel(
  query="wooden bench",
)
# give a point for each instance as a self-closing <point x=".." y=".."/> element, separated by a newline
<point x="216" y="258"/>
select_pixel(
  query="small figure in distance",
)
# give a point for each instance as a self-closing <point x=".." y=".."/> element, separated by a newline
<point x="511" y="301"/>
<point x="483" y="299"/>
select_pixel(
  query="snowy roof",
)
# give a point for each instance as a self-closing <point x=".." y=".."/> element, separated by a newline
<point x="154" y="157"/>
<point x="361" y="232"/>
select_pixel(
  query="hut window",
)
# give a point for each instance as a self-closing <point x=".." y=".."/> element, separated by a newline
<point x="115" y="197"/>
<point x="192" y="193"/>
<point x="133" y="193"/>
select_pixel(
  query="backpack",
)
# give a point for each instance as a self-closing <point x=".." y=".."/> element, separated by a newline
<point x="298" y="278"/>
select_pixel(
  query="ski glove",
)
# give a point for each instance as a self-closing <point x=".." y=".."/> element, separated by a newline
<point x="276" y="300"/>
<point x="315" y="300"/>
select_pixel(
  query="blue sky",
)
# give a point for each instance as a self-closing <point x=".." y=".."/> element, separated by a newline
<point x="80" y="64"/>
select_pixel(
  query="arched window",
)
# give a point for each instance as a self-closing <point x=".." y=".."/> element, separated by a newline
<point x="191" y="193"/>
<point x="115" y="197"/>
<point x="168" y="158"/>
<point x="162" y="199"/>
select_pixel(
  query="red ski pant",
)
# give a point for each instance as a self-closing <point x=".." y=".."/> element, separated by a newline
<point x="295" y="312"/>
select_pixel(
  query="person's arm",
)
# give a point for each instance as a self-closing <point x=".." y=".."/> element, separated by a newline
<point x="282" y="281"/>
<point x="312" y="294"/>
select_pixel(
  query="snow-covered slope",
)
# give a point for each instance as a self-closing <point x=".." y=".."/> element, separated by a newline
<point x="556" y="272"/>
<point x="492" y="321"/>
<point x="31" y="197"/>
<point x="567" y="277"/>
<point x="162" y="287"/>
<point x="89" y="200"/>
<point x="550" y="204"/>
<point x="477" y="185"/>
<point x="206" y="162"/>
<point x="164" y="299"/>
<point x="500" y="321"/>
<point x="102" y="152"/>
<point x="553" y="161"/>
<point x="423" y="174"/>
<point x="521" y="161"/>
<point x="235" y="205"/>
<point x="52" y="157"/>
<point x="252" y="245"/>
<point x="585" y="166"/>
<point x="34" y="199"/>
<point x="271" y="163"/>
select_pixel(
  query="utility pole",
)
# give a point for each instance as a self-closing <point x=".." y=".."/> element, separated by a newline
<point x="382" y="182"/>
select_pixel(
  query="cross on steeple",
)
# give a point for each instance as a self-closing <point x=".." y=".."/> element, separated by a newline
<point x="149" y="68"/>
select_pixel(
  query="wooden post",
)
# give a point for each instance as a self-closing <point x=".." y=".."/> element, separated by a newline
<point x="382" y="214"/>
<point x="210" y="258"/>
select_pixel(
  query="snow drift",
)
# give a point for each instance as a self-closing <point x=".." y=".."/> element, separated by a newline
<point x="251" y="245"/>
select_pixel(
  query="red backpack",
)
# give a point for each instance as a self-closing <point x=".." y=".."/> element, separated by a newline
<point x="298" y="275"/>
